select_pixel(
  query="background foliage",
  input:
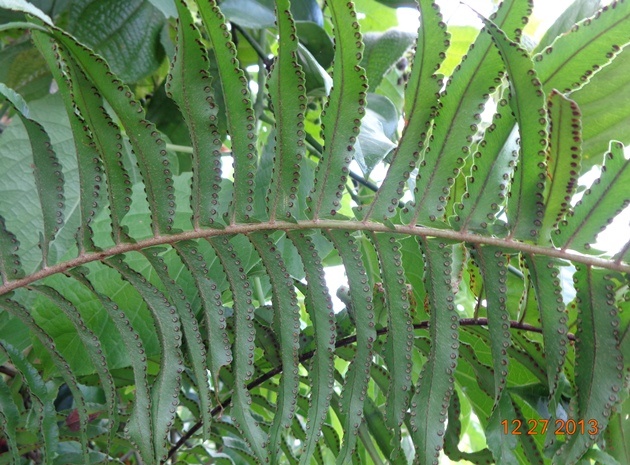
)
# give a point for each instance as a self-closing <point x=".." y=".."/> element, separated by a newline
<point x="177" y="175"/>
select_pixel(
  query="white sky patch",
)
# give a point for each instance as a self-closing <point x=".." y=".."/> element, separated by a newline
<point x="335" y="278"/>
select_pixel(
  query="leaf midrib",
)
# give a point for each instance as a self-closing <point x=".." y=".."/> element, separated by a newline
<point x="246" y="228"/>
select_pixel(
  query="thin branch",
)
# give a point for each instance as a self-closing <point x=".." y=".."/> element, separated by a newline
<point x="341" y="343"/>
<point x="8" y="371"/>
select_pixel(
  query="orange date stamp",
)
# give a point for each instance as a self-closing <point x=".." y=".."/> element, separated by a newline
<point x="561" y="427"/>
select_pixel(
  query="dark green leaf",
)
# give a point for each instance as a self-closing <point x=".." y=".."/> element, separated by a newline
<point x="124" y="32"/>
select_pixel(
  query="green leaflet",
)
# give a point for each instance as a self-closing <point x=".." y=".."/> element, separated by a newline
<point x="606" y="197"/>
<point x="598" y="363"/>
<point x="563" y="159"/>
<point x="139" y="428"/>
<point x="147" y="144"/>
<point x="189" y="84"/>
<point x="421" y="102"/>
<point x="287" y="91"/>
<point x="342" y="113"/>
<point x="525" y="208"/>
<point x="570" y="61"/>
<point x="88" y="160"/>
<point x="46" y="170"/>
<point x="430" y="401"/>
<point x="383" y="50"/>
<point x="165" y="389"/>
<point x="493" y="265"/>
<point x="219" y="351"/>
<point x="400" y="335"/>
<point x="243" y="346"/>
<point x="356" y="380"/>
<point x="102" y="131"/>
<point x="42" y="400"/>
<point x="92" y="345"/>
<point x="383" y="437"/>
<point x="10" y="266"/>
<point x="488" y="182"/>
<point x="194" y="341"/>
<point x="286" y="324"/>
<point x="238" y="108"/>
<point x="553" y="317"/>
<point x="49" y="425"/>
<point x="319" y="306"/>
<point x="459" y="112"/>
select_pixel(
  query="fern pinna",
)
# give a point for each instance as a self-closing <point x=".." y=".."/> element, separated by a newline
<point x="167" y="303"/>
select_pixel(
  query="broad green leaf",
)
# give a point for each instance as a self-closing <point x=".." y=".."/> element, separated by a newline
<point x="318" y="81"/>
<point x="23" y="69"/>
<point x="288" y="99"/>
<point x="167" y="7"/>
<point x="453" y="433"/>
<point x="525" y="207"/>
<point x="47" y="170"/>
<point x="433" y="392"/>
<point x="36" y="384"/>
<point x="190" y="86"/>
<point x="25" y="7"/>
<point x="341" y="116"/>
<point x="316" y="40"/>
<point x="372" y="144"/>
<point x="382" y="51"/>
<point x="563" y="159"/>
<point x="605" y="198"/>
<point x="125" y="33"/>
<point x="249" y="13"/>
<point x="617" y="433"/>
<point x="92" y="345"/>
<point x="139" y="428"/>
